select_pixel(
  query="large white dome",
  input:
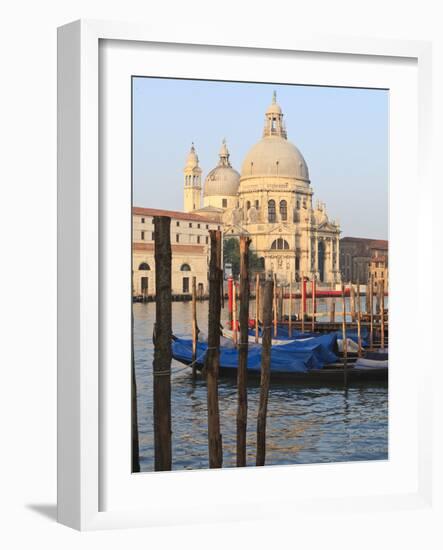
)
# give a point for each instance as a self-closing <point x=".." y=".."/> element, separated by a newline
<point x="275" y="156"/>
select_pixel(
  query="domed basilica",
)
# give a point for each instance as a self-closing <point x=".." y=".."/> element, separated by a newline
<point x="271" y="202"/>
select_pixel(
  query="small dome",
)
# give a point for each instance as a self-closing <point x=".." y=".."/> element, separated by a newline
<point x="274" y="108"/>
<point x="275" y="156"/>
<point x="222" y="180"/>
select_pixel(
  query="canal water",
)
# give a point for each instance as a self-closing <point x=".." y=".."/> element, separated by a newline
<point x="305" y="424"/>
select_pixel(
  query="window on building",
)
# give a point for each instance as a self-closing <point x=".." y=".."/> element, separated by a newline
<point x="257" y="204"/>
<point x="271" y="211"/>
<point x="177" y="238"/>
<point x="218" y="227"/>
<point x="144" y="267"/>
<point x="143" y="220"/>
<point x="248" y="205"/>
<point x="198" y="239"/>
<point x="190" y="224"/>
<point x="280" y="244"/>
<point x="207" y="240"/>
<point x="185" y="267"/>
<point x="177" y="224"/>
<point x="142" y="236"/>
<point x="283" y="210"/>
<point x="185" y="285"/>
<point x="207" y="226"/>
<point x="297" y="204"/>
<point x="304" y="203"/>
<point x="198" y="226"/>
<point x="224" y="203"/>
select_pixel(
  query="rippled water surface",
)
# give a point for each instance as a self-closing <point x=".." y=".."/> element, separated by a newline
<point x="305" y="424"/>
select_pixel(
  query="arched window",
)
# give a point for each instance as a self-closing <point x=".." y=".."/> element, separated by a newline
<point x="144" y="267"/>
<point x="280" y="244"/>
<point x="271" y="211"/>
<point x="298" y="204"/>
<point x="185" y="267"/>
<point x="283" y="210"/>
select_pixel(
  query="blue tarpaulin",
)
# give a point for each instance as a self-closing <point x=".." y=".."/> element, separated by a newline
<point x="351" y="333"/>
<point x="298" y="356"/>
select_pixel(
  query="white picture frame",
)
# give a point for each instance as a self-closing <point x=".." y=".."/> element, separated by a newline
<point x="83" y="400"/>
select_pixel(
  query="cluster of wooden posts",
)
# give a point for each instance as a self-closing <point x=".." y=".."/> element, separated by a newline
<point x="290" y="307"/>
<point x="162" y="355"/>
<point x="270" y="310"/>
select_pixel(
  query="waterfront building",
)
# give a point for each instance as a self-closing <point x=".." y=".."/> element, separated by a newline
<point x="356" y="256"/>
<point x="270" y="201"/>
<point x="378" y="268"/>
<point x="190" y="250"/>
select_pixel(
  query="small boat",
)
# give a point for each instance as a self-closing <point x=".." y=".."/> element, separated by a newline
<point x="311" y="360"/>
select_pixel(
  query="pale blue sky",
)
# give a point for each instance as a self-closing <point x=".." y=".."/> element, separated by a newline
<point x="341" y="132"/>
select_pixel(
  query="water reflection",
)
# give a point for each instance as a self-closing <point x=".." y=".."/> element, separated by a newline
<point x="305" y="424"/>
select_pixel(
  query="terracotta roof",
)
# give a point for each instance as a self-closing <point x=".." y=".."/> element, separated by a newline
<point x="180" y="248"/>
<point x="373" y="243"/>
<point x="176" y="215"/>
<point x="382" y="245"/>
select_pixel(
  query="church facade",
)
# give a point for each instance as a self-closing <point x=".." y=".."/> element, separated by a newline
<point x="270" y="201"/>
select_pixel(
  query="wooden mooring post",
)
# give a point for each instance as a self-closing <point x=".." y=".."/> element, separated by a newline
<point x="303" y="302"/>
<point x="332" y="311"/>
<point x="215" y="449"/>
<point x="360" y="347"/>
<point x="314" y="304"/>
<point x="382" y="313"/>
<point x="290" y="307"/>
<point x="134" y="416"/>
<point x="257" y="305"/>
<point x="275" y="305"/>
<point x="371" y="312"/>
<point x="230" y="301"/>
<point x="345" y="341"/>
<point x="234" y="312"/>
<point x="194" y="327"/>
<point x="162" y="344"/>
<point x="242" y="370"/>
<point x="265" y="372"/>
<point x="352" y="300"/>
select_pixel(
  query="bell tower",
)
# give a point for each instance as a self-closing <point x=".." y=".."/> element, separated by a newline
<point x="192" y="182"/>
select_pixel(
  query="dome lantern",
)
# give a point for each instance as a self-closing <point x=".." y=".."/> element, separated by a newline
<point x="274" y="124"/>
<point x="224" y="155"/>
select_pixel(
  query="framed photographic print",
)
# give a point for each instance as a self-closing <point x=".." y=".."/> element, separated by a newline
<point x="232" y="260"/>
